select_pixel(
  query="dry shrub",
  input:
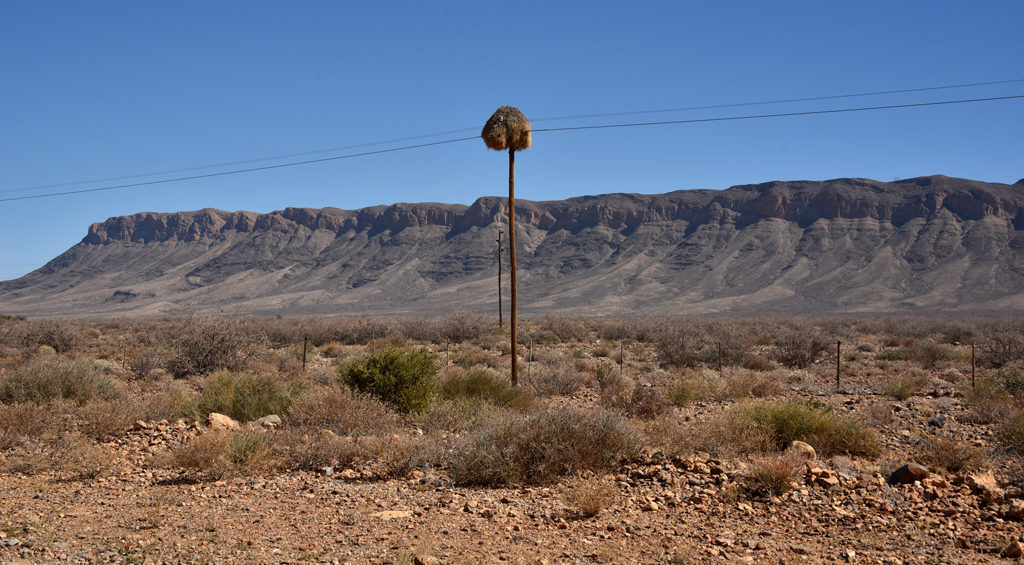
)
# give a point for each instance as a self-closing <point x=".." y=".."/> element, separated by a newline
<point x="905" y="385"/>
<point x="556" y="375"/>
<point x="47" y="379"/>
<point x="989" y="400"/>
<point x="1001" y="345"/>
<point x="342" y="411"/>
<point x="464" y="326"/>
<point x="470" y="356"/>
<point x="928" y="353"/>
<point x="78" y="458"/>
<point x="58" y="334"/>
<point x="680" y="346"/>
<point x="799" y="347"/>
<point x="454" y="416"/>
<point x="308" y="449"/>
<point x="218" y="454"/>
<point x="588" y="497"/>
<point x="480" y="384"/>
<point x="169" y="400"/>
<point x="201" y="346"/>
<point x="775" y="474"/>
<point x="746" y="383"/>
<point x="952" y="455"/>
<point x="1010" y="433"/>
<point x="23" y="421"/>
<point x="877" y="415"/>
<point x="103" y="419"/>
<point x="633" y="399"/>
<point x="567" y="329"/>
<point x="723" y="435"/>
<point x="539" y="447"/>
<point x="398" y="455"/>
<point x="693" y="386"/>
<point x="812" y="423"/>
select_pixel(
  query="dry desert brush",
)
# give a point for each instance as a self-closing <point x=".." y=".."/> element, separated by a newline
<point x="540" y="447"/>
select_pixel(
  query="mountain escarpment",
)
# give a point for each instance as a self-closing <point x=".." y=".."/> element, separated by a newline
<point x="844" y="245"/>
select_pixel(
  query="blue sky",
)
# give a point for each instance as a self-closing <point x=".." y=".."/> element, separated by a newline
<point x="93" y="90"/>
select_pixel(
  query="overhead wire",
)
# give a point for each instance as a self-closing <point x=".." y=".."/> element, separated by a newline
<point x="534" y="130"/>
<point x="781" y="114"/>
<point x="536" y="120"/>
<point x="238" y="171"/>
<point x="781" y="101"/>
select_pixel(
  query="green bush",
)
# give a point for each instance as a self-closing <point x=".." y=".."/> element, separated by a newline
<point x="246" y="396"/>
<point x="402" y="377"/>
<point x="51" y="378"/>
<point x="815" y="424"/>
<point x="540" y="447"/>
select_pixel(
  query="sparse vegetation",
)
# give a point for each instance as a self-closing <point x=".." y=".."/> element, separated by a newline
<point x="775" y="474"/>
<point x="540" y="447"/>
<point x="815" y="424"/>
<point x="374" y="404"/>
<point x="50" y="378"/>
<point x="246" y="396"/>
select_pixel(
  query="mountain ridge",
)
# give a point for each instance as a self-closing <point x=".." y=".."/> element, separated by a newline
<point x="842" y="245"/>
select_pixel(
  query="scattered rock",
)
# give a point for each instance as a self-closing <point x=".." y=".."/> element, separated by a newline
<point x="804" y="450"/>
<point x="937" y="421"/>
<point x="426" y="560"/>
<point x="985" y="486"/>
<point x="271" y="421"/>
<point x="218" y="421"/>
<point x="907" y="474"/>
<point x="800" y="549"/>
<point x="1014" y="550"/>
<point x="392" y="514"/>
<point x="1013" y="510"/>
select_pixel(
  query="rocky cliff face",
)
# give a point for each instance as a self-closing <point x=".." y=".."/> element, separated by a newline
<point x="930" y="243"/>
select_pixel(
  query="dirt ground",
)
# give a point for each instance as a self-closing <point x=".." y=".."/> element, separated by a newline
<point x="657" y="507"/>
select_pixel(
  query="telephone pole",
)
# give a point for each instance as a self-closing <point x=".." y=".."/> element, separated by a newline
<point x="501" y="319"/>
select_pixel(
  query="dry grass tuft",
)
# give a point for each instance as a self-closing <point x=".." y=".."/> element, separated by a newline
<point x="775" y="474"/>
<point x="588" y="497"/>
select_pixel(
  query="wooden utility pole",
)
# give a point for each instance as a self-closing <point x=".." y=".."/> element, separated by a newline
<point x="501" y="316"/>
<point x="509" y="129"/>
<point x="512" y="260"/>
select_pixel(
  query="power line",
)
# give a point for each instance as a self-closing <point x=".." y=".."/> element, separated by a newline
<point x="242" y="162"/>
<point x="536" y="130"/>
<point x="542" y="119"/>
<point x="238" y="171"/>
<point x="782" y="101"/>
<point x="781" y="115"/>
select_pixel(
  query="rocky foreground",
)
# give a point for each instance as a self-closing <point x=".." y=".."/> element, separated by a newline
<point x="662" y="509"/>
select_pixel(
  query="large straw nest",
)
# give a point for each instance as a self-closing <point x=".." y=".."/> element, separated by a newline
<point x="507" y="128"/>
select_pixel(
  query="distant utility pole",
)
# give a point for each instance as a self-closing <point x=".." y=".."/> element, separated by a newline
<point x="501" y="318"/>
